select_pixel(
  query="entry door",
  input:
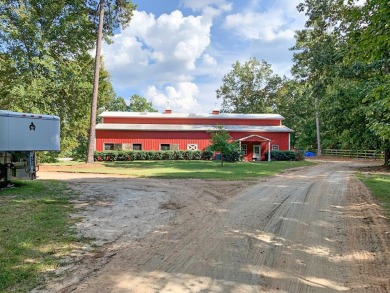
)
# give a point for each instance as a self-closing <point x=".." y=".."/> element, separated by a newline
<point x="256" y="152"/>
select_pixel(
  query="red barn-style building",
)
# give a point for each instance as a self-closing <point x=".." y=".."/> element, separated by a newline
<point x="257" y="133"/>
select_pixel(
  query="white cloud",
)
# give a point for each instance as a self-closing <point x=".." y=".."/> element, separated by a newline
<point x="203" y="4"/>
<point x="209" y="60"/>
<point x="170" y="57"/>
<point x="278" y="22"/>
<point x="180" y="98"/>
<point x="166" y="48"/>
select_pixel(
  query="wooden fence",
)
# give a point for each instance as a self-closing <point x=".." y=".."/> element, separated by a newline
<point x="363" y="154"/>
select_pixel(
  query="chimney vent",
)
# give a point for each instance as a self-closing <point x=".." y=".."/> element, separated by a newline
<point x="168" y="111"/>
<point x="215" y="112"/>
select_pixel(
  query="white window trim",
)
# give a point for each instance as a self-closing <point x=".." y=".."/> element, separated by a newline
<point x="275" y="147"/>
<point x="244" y="149"/>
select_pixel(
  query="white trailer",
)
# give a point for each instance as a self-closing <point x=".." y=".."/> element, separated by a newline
<point x="21" y="135"/>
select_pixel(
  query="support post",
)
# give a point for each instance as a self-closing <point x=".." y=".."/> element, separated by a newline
<point x="32" y="168"/>
<point x="269" y="151"/>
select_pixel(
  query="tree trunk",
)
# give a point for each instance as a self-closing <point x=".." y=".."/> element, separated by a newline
<point x="387" y="156"/>
<point x="92" y="127"/>
<point x="319" y="150"/>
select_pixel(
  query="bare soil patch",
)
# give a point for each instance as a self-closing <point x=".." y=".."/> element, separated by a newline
<point x="313" y="229"/>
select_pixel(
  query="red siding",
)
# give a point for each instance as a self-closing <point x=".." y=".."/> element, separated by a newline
<point x="191" y="121"/>
<point x="151" y="140"/>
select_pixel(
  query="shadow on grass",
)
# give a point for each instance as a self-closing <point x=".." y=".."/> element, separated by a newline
<point x="204" y="169"/>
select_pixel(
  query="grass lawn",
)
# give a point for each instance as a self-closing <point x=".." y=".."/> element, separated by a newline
<point x="379" y="184"/>
<point x="34" y="232"/>
<point x="181" y="169"/>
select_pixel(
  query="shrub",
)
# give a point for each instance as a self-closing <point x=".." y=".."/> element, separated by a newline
<point x="47" y="157"/>
<point x="169" y="155"/>
<point x="140" y="155"/>
<point x="207" y="154"/>
<point x="80" y="151"/>
<point x="232" y="156"/>
<point x="179" y="155"/>
<point x="158" y="155"/>
<point x="197" y="155"/>
<point x="285" y="156"/>
<point x="150" y="155"/>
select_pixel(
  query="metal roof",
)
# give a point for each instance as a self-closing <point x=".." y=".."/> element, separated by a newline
<point x="190" y="115"/>
<point x="5" y="113"/>
<point x="182" y="127"/>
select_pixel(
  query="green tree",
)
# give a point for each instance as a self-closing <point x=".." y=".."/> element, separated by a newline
<point x="343" y="56"/>
<point x="118" y="14"/>
<point x="221" y="142"/>
<point x="367" y="56"/>
<point x="317" y="54"/>
<point x="140" y="104"/>
<point x="249" y="88"/>
<point x="117" y="104"/>
<point x="45" y="66"/>
<point x="294" y="103"/>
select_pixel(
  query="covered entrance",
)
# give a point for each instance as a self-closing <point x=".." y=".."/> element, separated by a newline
<point x="254" y="146"/>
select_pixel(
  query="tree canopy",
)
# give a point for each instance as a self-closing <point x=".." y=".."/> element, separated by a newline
<point x="140" y="104"/>
<point x="45" y="64"/>
<point x="249" y="88"/>
<point x="343" y="57"/>
<point x="339" y="94"/>
<point x="222" y="143"/>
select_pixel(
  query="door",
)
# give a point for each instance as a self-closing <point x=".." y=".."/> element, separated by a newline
<point x="256" y="152"/>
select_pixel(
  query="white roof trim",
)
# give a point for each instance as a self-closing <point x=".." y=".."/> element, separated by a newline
<point x="190" y="115"/>
<point x="254" y="135"/>
<point x="185" y="127"/>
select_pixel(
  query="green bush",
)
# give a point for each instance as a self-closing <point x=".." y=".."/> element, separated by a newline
<point x="150" y="155"/>
<point x="179" y="155"/>
<point x="285" y="156"/>
<point x="80" y="151"/>
<point x="233" y="156"/>
<point x="47" y="157"/>
<point x="155" y="155"/>
<point x="207" y="154"/>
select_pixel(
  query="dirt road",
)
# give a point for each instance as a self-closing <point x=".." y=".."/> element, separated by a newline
<point x="314" y="229"/>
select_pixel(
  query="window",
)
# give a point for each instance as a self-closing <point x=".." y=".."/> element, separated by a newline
<point x="112" y="147"/>
<point x="137" y="147"/>
<point x="275" y="147"/>
<point x="165" y="147"/>
<point x="174" y="147"/>
<point x="244" y="149"/>
<point x="108" y="146"/>
<point x="192" y="147"/>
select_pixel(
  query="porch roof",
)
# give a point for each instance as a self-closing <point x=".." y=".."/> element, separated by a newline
<point x="254" y="138"/>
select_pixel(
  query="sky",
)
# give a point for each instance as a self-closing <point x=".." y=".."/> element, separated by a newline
<point x="176" y="52"/>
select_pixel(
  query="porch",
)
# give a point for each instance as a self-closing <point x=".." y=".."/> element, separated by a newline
<point x="254" y="148"/>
